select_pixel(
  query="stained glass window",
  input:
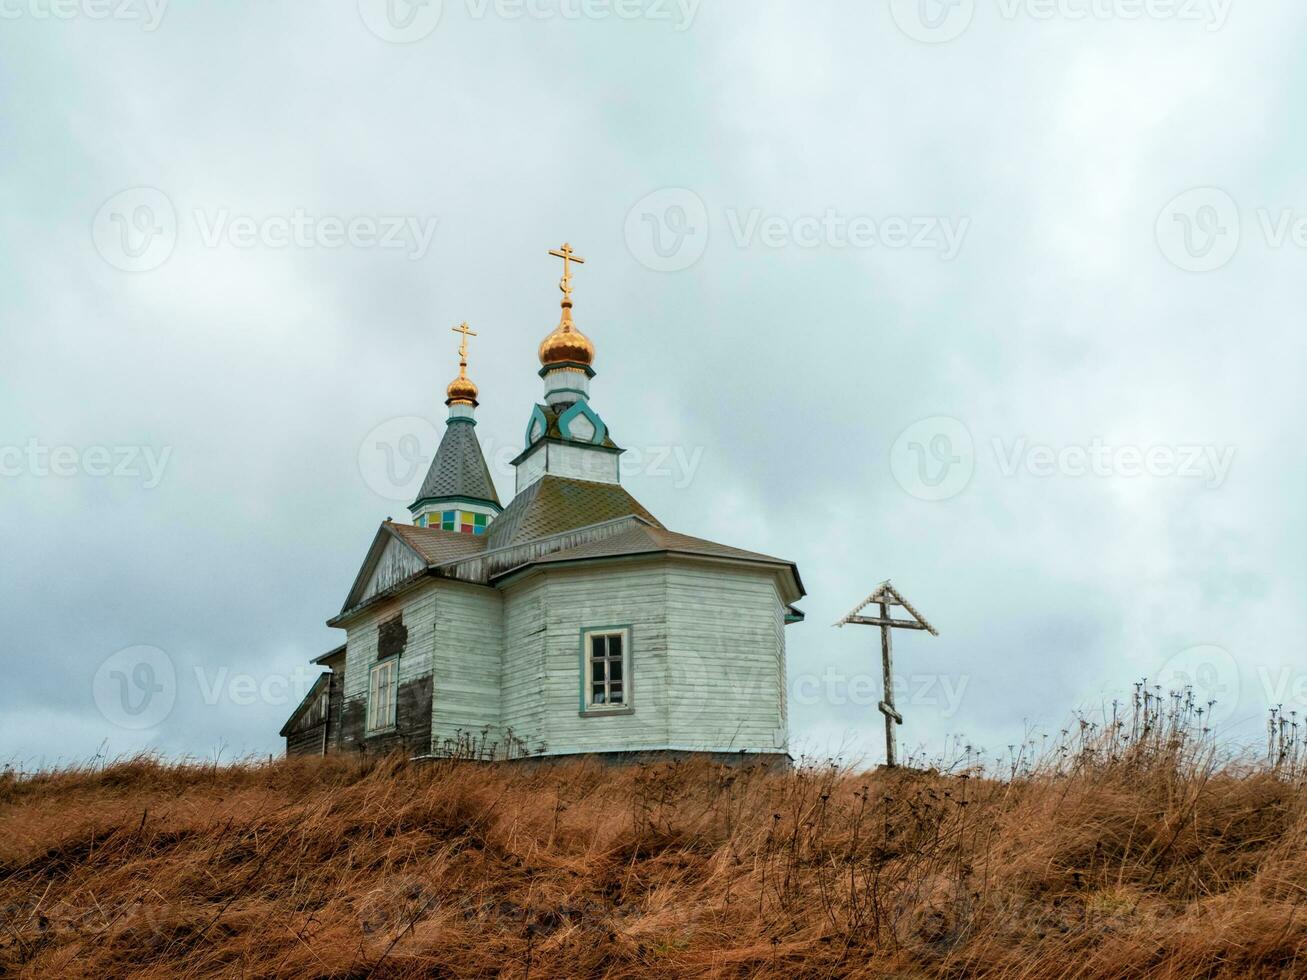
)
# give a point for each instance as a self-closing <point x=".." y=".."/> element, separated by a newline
<point x="459" y="521"/>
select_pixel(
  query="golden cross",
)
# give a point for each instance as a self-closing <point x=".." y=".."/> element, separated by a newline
<point x="466" y="332"/>
<point x="568" y="256"/>
<point x="462" y="346"/>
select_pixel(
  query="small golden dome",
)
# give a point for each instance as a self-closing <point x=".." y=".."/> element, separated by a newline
<point x="567" y="344"/>
<point x="461" y="389"/>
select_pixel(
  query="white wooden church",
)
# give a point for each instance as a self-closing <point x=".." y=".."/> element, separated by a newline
<point x="570" y="621"/>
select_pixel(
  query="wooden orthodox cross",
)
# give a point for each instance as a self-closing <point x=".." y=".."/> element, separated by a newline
<point x="886" y="597"/>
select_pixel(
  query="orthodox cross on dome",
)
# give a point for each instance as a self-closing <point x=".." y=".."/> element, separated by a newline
<point x="461" y="391"/>
<point x="466" y="331"/>
<point x="567" y="347"/>
<point x="568" y="256"/>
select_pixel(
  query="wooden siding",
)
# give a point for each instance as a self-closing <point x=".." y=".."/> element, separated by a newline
<point x="310" y="741"/>
<point x="467" y="662"/>
<point x="396" y="563"/>
<point x="582" y="463"/>
<point x="542" y="683"/>
<point x="576" y="462"/>
<point x="415" y="669"/>
<point x="313" y="731"/>
<point x="531" y="469"/>
<point x="522" y="678"/>
<point x="727" y="658"/>
<point x="782" y="673"/>
<point x="311" y="713"/>
<point x="707" y="659"/>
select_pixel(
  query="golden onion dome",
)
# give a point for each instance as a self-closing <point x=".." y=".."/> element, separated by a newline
<point x="461" y="389"/>
<point x="567" y="344"/>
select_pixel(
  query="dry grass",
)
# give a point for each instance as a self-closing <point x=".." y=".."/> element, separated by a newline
<point x="1130" y="853"/>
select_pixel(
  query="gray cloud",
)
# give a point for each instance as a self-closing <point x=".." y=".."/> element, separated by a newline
<point x="792" y="362"/>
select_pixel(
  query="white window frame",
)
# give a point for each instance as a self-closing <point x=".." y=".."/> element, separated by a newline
<point x="588" y="705"/>
<point x="383" y="702"/>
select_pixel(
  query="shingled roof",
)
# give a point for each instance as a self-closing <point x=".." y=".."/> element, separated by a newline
<point x="437" y="546"/>
<point x="459" y="469"/>
<point x="645" y="539"/>
<point x="554" y="504"/>
<point x="612" y="524"/>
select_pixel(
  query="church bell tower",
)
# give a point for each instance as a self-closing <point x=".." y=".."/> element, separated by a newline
<point x="565" y="436"/>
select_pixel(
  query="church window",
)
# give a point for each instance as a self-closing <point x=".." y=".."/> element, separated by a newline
<point x="383" y="689"/>
<point x="607" y="670"/>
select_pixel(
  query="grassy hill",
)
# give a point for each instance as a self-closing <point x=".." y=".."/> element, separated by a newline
<point x="1127" y="854"/>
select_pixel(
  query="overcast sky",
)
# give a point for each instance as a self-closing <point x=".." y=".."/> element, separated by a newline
<point x="998" y="299"/>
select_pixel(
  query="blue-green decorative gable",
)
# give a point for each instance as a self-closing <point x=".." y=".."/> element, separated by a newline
<point x="582" y="409"/>
<point x="537" y="420"/>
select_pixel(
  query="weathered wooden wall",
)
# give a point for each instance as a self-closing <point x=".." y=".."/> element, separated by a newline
<point x="397" y="563"/>
<point x="317" y="731"/>
<point x="634" y="595"/>
<point x="727" y="658"/>
<point x="707" y="657"/>
<point x="707" y="660"/>
<point x="576" y="462"/>
<point x="412" y="730"/>
<point x="523" y="671"/>
<point x="467" y="663"/>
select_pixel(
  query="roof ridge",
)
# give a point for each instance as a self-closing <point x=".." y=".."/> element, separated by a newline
<point x="635" y="518"/>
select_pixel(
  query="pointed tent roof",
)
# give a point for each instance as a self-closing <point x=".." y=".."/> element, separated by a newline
<point x="459" y="469"/>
